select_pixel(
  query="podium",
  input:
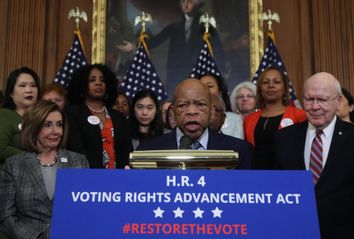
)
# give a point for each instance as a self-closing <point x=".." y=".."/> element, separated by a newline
<point x="171" y="204"/>
<point x="184" y="159"/>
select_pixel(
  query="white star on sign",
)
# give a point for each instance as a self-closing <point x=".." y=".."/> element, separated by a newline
<point x="158" y="212"/>
<point x="217" y="212"/>
<point x="178" y="213"/>
<point x="198" y="213"/>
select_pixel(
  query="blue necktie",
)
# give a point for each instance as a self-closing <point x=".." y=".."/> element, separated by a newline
<point x="196" y="145"/>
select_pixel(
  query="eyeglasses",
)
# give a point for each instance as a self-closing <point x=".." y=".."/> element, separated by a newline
<point x="309" y="101"/>
<point x="241" y="97"/>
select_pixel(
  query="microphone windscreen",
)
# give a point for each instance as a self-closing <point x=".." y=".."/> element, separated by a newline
<point x="185" y="142"/>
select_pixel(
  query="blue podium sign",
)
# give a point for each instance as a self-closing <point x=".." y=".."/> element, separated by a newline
<point x="203" y="204"/>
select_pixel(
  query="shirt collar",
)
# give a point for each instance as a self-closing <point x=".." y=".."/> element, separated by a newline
<point x="188" y="18"/>
<point x="326" y="131"/>
<point x="203" y="139"/>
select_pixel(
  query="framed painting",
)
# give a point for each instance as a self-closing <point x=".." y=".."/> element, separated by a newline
<point x="238" y="32"/>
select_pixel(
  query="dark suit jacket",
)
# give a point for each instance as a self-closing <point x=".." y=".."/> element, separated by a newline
<point x="335" y="187"/>
<point x="25" y="208"/>
<point x="86" y="138"/>
<point x="182" y="54"/>
<point x="216" y="141"/>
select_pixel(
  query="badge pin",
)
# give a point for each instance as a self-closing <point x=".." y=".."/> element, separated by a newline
<point x="19" y="126"/>
<point x="94" y="120"/>
<point x="63" y="159"/>
<point x="286" y="122"/>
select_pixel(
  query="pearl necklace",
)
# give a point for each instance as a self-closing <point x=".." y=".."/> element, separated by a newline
<point x="47" y="164"/>
<point x="96" y="111"/>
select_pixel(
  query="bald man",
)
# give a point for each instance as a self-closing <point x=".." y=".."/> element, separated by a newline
<point x="323" y="145"/>
<point x="192" y="108"/>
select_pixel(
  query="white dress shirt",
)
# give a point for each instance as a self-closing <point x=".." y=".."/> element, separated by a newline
<point x="203" y="139"/>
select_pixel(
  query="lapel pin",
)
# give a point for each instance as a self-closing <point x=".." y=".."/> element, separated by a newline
<point x="64" y="159"/>
<point x="340" y="133"/>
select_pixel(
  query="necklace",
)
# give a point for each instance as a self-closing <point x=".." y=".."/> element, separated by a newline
<point x="96" y="111"/>
<point x="47" y="164"/>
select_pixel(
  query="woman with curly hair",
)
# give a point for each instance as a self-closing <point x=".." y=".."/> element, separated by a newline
<point x="95" y="129"/>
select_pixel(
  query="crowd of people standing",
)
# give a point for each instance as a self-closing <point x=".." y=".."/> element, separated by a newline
<point x="91" y="125"/>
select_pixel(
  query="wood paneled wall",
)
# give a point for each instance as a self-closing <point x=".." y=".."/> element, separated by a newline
<point x="38" y="34"/>
<point x="333" y="39"/>
<point x="313" y="36"/>
<point x="23" y="34"/>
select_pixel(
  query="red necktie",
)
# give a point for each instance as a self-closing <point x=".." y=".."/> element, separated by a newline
<point x="316" y="156"/>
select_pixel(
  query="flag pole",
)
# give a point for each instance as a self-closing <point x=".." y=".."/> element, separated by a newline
<point x="270" y="16"/>
<point x="207" y="21"/>
<point x="77" y="15"/>
<point x="141" y="73"/>
<point x="143" y="19"/>
<point x="75" y="58"/>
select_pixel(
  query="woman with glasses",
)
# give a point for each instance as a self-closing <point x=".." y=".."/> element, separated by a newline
<point x="243" y="98"/>
<point x="145" y="117"/>
<point x="274" y="114"/>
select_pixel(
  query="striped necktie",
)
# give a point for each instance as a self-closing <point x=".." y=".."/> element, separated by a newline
<point x="316" y="156"/>
<point x="196" y="145"/>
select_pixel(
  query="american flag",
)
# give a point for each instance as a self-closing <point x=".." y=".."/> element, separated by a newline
<point x="74" y="59"/>
<point x="142" y="75"/>
<point x="271" y="57"/>
<point x="205" y="64"/>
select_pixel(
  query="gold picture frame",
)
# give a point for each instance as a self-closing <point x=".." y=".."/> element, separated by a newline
<point x="255" y="32"/>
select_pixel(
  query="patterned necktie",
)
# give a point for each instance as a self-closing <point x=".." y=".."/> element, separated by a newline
<point x="196" y="145"/>
<point x="316" y="156"/>
<point x="187" y="28"/>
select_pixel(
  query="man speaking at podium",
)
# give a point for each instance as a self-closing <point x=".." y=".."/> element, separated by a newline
<point x="192" y="108"/>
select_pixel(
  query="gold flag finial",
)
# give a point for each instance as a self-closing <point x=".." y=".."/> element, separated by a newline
<point x="270" y="17"/>
<point x="207" y="21"/>
<point x="143" y="19"/>
<point x="77" y="14"/>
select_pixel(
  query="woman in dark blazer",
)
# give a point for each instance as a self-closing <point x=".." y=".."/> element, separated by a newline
<point x="28" y="179"/>
<point x="95" y="129"/>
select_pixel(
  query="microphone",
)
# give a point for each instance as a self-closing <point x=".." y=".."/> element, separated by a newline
<point x="185" y="142"/>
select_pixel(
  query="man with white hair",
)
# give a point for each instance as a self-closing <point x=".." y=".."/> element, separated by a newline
<point x="323" y="145"/>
